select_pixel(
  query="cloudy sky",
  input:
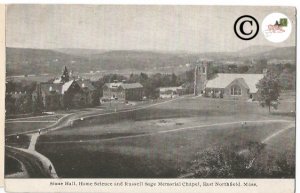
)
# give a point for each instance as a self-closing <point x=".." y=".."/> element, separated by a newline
<point x="129" y="27"/>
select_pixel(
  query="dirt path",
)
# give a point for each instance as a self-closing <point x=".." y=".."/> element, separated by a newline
<point x="33" y="140"/>
<point x="28" y="157"/>
<point x="270" y="137"/>
<point x="36" y="165"/>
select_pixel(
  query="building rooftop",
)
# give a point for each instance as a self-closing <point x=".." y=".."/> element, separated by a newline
<point x="123" y="85"/>
<point x="175" y="88"/>
<point x="66" y="86"/>
<point x="131" y="85"/>
<point x="222" y="80"/>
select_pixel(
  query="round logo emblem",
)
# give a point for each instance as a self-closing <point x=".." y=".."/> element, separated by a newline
<point x="246" y="27"/>
<point x="276" y="27"/>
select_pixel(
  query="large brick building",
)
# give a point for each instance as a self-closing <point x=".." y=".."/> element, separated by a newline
<point x="123" y="91"/>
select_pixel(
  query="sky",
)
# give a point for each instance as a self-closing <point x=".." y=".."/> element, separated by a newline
<point x="135" y="27"/>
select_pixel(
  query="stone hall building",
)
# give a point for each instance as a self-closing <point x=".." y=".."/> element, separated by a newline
<point x="66" y="92"/>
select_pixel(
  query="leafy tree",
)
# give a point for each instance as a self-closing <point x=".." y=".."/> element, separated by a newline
<point x="98" y="85"/>
<point x="243" y="69"/>
<point x="268" y="90"/>
<point x="189" y="75"/>
<point x="225" y="161"/>
<point x="37" y="105"/>
<point x="10" y="104"/>
<point x="111" y="77"/>
<point x="228" y="161"/>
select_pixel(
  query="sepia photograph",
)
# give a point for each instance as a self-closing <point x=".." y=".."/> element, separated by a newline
<point x="150" y="91"/>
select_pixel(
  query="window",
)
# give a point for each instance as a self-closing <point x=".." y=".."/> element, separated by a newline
<point x="203" y="70"/>
<point x="236" y="90"/>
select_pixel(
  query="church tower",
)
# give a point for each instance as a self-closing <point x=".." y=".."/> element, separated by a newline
<point x="200" y="77"/>
<point x="65" y="75"/>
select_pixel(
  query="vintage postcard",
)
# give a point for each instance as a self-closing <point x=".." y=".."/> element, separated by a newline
<point x="150" y="98"/>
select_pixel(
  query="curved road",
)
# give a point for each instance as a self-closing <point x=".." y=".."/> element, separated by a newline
<point x="33" y="165"/>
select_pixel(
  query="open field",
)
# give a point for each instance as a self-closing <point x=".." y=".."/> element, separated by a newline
<point x="19" y="127"/>
<point x="54" y="117"/>
<point x="279" y="152"/>
<point x="161" y="155"/>
<point x="13" y="126"/>
<point x="162" y="140"/>
<point x="20" y="141"/>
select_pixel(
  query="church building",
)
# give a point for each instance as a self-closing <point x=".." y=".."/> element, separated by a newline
<point x="225" y="85"/>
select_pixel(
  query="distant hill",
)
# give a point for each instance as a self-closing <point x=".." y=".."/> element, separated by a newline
<point x="253" y="50"/>
<point x="36" y="61"/>
<point x="80" y="52"/>
<point x="282" y="53"/>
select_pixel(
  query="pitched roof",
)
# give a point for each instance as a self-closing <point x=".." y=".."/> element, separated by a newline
<point x="66" y="86"/>
<point x="241" y="81"/>
<point x="113" y="85"/>
<point x="123" y="85"/>
<point x="131" y="85"/>
<point x="222" y="80"/>
<point x="164" y="89"/>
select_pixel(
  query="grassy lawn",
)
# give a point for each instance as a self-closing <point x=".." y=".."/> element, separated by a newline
<point x="39" y="118"/>
<point x="161" y="155"/>
<point x="24" y="124"/>
<point x="280" y="151"/>
<point x="22" y="142"/>
<point x="208" y="109"/>
<point x="288" y="95"/>
<point x="19" y="127"/>
<point x="133" y="144"/>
